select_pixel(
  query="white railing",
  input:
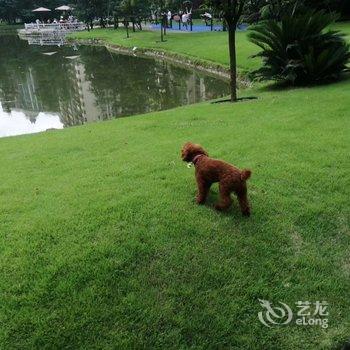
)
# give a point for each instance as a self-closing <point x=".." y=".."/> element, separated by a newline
<point x="55" y="27"/>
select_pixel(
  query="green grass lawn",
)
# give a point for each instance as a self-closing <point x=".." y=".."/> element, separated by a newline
<point x="210" y="46"/>
<point x="103" y="247"/>
<point x="10" y="27"/>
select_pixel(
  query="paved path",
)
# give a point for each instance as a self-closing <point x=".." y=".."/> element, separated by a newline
<point x="196" y="28"/>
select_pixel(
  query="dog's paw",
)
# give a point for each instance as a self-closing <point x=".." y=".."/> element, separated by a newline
<point x="200" y="201"/>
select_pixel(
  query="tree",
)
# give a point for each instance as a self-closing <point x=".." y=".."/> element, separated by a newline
<point x="134" y="11"/>
<point x="277" y="9"/>
<point x="87" y="10"/>
<point x="231" y="11"/>
<point x="14" y="10"/>
<point x="300" y="49"/>
<point x="130" y="10"/>
<point x="160" y="8"/>
<point x="9" y="10"/>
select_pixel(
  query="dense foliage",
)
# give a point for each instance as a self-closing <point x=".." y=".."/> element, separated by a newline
<point x="21" y="10"/>
<point x="300" y="50"/>
<point x="256" y="10"/>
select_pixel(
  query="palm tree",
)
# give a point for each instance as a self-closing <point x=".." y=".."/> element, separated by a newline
<point x="301" y="49"/>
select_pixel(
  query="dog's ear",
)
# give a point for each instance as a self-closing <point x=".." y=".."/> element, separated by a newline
<point x="190" y="150"/>
<point x="201" y="150"/>
<point x="185" y="151"/>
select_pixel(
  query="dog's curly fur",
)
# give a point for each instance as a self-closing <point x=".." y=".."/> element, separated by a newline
<point x="208" y="171"/>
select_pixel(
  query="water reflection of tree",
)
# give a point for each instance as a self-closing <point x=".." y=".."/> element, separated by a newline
<point x="34" y="82"/>
<point x="13" y="70"/>
<point x="136" y="85"/>
<point x="95" y="85"/>
<point x="129" y="85"/>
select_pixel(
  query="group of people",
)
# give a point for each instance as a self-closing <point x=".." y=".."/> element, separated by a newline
<point x="70" y="19"/>
<point x="184" y="17"/>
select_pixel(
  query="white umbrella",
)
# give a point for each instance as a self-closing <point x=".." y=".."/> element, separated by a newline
<point x="72" y="57"/>
<point x="41" y="9"/>
<point x="49" y="53"/>
<point x="63" y="8"/>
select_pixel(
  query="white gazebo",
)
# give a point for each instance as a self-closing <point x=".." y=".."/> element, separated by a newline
<point x="51" y="28"/>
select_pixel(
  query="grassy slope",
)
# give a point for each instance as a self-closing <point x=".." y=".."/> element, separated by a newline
<point x="210" y="47"/>
<point x="102" y="245"/>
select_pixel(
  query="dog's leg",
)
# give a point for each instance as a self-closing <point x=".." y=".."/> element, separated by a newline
<point x="203" y="190"/>
<point x="225" y="198"/>
<point x="243" y="201"/>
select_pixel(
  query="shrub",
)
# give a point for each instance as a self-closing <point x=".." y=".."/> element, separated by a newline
<point x="300" y="49"/>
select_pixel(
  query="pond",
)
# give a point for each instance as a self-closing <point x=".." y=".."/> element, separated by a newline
<point x="52" y="87"/>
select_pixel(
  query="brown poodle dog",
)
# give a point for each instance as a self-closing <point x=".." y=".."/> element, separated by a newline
<point x="209" y="170"/>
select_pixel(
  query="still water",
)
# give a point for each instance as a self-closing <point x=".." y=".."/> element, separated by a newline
<point x="46" y="87"/>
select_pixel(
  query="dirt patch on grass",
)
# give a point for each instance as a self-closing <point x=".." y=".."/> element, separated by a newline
<point x="297" y="241"/>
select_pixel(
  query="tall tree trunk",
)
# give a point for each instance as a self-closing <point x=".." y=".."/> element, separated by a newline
<point x="164" y="20"/>
<point x="161" y="30"/>
<point x="233" y="60"/>
<point x="126" y="25"/>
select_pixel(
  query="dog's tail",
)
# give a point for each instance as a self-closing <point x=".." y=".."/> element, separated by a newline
<point x="246" y="174"/>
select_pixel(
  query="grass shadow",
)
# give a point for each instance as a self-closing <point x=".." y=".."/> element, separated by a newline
<point x="234" y="211"/>
<point x="271" y="86"/>
<point x="241" y="99"/>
